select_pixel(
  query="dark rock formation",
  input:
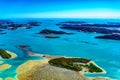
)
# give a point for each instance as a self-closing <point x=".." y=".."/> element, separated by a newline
<point x="4" y="54"/>
<point x="111" y="36"/>
<point x="47" y="31"/>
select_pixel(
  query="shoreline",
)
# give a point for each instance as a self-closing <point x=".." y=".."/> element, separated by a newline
<point x="31" y="66"/>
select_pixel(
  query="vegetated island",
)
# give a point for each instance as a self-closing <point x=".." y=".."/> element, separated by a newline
<point x="59" y="68"/>
<point x="48" y="33"/>
<point x="4" y="54"/>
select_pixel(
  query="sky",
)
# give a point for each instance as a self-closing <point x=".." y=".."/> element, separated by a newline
<point x="59" y="8"/>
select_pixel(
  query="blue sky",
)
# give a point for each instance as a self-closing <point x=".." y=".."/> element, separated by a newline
<point x="60" y="8"/>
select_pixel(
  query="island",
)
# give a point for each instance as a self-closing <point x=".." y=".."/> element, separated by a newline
<point x="4" y="54"/>
<point x="86" y="24"/>
<point x="11" y="25"/>
<point x="110" y="36"/>
<point x="90" y="29"/>
<point x="48" y="31"/>
<point x="59" y="68"/>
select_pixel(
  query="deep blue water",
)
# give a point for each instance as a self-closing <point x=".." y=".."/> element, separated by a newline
<point x="106" y="53"/>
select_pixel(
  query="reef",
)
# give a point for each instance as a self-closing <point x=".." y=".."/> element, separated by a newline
<point x="110" y="36"/>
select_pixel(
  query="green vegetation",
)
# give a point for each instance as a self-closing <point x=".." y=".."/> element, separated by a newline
<point x="4" y="54"/>
<point x="68" y="63"/>
<point x="93" y="68"/>
<point x="75" y="64"/>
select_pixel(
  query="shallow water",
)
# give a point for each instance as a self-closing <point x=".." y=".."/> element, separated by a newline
<point x="106" y="53"/>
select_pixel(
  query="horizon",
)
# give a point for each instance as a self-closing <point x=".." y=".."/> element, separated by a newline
<point x="103" y="9"/>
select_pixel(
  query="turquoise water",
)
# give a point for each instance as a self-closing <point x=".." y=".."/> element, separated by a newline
<point x="106" y="53"/>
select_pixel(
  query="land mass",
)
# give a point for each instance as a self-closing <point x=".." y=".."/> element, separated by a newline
<point x="58" y="68"/>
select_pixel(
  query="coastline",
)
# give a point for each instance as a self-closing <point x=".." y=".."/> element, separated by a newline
<point x="31" y="67"/>
<point x="13" y="55"/>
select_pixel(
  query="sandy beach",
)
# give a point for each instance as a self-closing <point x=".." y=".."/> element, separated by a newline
<point x="13" y="55"/>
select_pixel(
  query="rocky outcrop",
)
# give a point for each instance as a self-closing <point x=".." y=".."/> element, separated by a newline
<point x="111" y="36"/>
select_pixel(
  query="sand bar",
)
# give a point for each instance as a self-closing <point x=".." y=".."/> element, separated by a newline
<point x="5" y="66"/>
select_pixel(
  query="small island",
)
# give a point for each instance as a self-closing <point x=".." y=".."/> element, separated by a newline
<point x="4" y="54"/>
<point x="110" y="36"/>
<point x="47" y="31"/>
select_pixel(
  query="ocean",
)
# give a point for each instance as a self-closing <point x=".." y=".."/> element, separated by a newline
<point x="106" y="53"/>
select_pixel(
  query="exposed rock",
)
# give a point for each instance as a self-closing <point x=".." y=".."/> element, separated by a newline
<point x="111" y="36"/>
